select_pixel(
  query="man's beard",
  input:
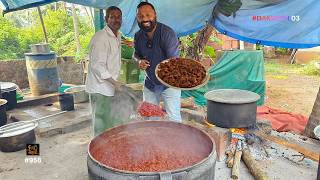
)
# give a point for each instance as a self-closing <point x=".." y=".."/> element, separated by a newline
<point x="148" y="28"/>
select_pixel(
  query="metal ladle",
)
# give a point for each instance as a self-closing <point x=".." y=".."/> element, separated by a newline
<point x="16" y="126"/>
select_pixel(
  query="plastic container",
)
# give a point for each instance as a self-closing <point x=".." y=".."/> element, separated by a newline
<point x="79" y="94"/>
<point x="129" y="72"/>
<point x="66" y="102"/>
<point x="126" y="52"/>
<point x="3" y="114"/>
<point x="9" y="93"/>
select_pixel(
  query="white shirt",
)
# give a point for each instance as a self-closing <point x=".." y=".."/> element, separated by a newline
<point x="104" y="62"/>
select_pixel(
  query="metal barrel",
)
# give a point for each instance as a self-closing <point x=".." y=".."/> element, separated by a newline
<point x="42" y="73"/>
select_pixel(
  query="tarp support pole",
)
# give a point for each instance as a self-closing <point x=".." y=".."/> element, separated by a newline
<point x="42" y="25"/>
<point x="98" y="19"/>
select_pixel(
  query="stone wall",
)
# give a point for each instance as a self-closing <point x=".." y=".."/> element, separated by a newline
<point x="16" y="71"/>
<point x="69" y="71"/>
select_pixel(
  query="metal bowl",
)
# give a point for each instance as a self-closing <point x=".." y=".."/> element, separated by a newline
<point x="204" y="81"/>
<point x="40" y="48"/>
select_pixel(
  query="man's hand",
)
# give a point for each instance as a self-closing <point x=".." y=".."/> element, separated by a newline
<point x="143" y="64"/>
<point x="117" y="84"/>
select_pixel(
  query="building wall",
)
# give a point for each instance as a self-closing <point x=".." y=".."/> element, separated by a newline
<point x="228" y="43"/>
<point x="16" y="71"/>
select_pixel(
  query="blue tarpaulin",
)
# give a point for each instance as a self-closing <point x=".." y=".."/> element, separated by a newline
<point x="282" y="23"/>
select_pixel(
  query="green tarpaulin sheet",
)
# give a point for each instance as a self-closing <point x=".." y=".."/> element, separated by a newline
<point x="235" y="70"/>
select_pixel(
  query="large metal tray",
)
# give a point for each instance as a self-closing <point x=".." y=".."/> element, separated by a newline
<point x="204" y="81"/>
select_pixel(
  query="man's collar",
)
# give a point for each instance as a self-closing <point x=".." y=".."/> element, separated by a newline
<point x="110" y="32"/>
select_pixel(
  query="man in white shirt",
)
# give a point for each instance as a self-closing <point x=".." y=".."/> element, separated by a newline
<point x="103" y="71"/>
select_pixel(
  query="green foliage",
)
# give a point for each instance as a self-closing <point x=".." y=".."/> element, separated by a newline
<point x="18" y="32"/>
<point x="14" y="41"/>
<point x="187" y="43"/>
<point x="311" y="69"/>
<point x="283" y="51"/>
<point x="8" y="39"/>
<point x="259" y="47"/>
<point x="278" y="69"/>
<point x="209" y="52"/>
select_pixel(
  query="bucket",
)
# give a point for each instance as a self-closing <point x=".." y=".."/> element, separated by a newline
<point x="42" y="73"/>
<point x="9" y="93"/>
<point x="3" y="114"/>
<point x="66" y="102"/>
<point x="79" y="94"/>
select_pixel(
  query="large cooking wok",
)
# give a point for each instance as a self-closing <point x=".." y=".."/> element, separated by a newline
<point x="157" y="136"/>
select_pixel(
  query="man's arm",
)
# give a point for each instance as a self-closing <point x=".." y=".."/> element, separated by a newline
<point x="137" y="56"/>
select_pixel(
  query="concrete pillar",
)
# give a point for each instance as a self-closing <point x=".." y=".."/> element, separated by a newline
<point x="241" y="45"/>
<point x="99" y="21"/>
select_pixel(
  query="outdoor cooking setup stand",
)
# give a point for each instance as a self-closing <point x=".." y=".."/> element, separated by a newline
<point x="226" y="108"/>
<point x="236" y="110"/>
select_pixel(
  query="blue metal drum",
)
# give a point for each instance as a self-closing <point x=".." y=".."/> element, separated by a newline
<point x="42" y="73"/>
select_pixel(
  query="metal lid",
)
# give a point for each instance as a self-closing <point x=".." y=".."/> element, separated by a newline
<point x="8" y="86"/>
<point x="17" y="128"/>
<point x="39" y="54"/>
<point x="232" y="96"/>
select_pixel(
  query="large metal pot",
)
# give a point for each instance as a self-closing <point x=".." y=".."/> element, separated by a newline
<point x="16" y="140"/>
<point x="15" y="136"/>
<point x="203" y="170"/>
<point x="231" y="108"/>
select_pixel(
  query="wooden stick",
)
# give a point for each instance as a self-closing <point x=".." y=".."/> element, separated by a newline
<point x="236" y="165"/>
<point x="231" y="151"/>
<point x="229" y="160"/>
<point x="307" y="153"/>
<point x="42" y="25"/>
<point x="253" y="166"/>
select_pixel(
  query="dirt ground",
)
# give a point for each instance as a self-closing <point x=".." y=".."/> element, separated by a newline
<point x="292" y="92"/>
<point x="62" y="157"/>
